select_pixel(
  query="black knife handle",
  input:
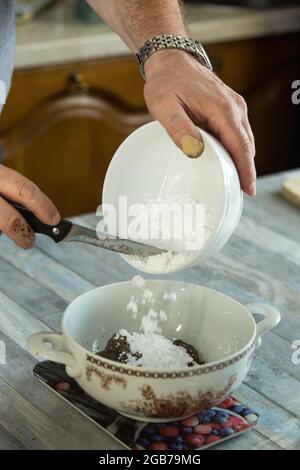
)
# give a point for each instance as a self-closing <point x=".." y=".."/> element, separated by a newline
<point x="56" y="232"/>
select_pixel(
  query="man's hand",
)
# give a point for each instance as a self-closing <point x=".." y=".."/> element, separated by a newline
<point x="15" y="187"/>
<point x="181" y="93"/>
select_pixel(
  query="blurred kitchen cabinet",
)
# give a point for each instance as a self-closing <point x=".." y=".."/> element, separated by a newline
<point x="263" y="70"/>
<point x="62" y="124"/>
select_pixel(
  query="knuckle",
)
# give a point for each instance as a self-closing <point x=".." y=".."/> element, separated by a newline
<point x="241" y="102"/>
<point x="26" y="189"/>
<point x="159" y="100"/>
<point x="246" y="148"/>
<point x="178" y="125"/>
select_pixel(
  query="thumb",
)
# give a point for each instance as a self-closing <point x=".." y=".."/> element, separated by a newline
<point x="179" y="126"/>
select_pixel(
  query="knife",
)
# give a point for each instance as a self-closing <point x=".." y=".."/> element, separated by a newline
<point x="67" y="231"/>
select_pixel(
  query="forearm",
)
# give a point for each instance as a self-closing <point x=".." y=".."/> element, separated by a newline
<point x="136" y="21"/>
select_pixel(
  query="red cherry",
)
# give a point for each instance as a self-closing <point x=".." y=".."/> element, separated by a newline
<point x="169" y="431"/>
<point x="241" y="427"/>
<point x="190" y="422"/>
<point x="63" y="386"/>
<point x="195" y="440"/>
<point x="227" y="403"/>
<point x="203" y="429"/>
<point x="158" y="446"/>
<point x="216" y="426"/>
<point x="234" y="421"/>
<point x="212" y="439"/>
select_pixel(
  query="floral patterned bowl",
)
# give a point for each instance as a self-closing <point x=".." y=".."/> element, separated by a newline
<point x="220" y="328"/>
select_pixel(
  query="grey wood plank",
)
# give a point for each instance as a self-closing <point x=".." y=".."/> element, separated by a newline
<point x="48" y="272"/>
<point x="34" y="297"/>
<point x="248" y="441"/>
<point x="18" y="374"/>
<point x="278" y="351"/>
<point x="31" y="427"/>
<point x="17" y="323"/>
<point x="271" y="210"/>
<point x="268" y="240"/>
<point x="9" y="442"/>
<point x="275" y="424"/>
<point x="275" y="384"/>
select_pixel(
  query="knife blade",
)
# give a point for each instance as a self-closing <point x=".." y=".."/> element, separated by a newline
<point x="69" y="232"/>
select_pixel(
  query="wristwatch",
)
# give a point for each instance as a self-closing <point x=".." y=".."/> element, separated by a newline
<point x="168" y="41"/>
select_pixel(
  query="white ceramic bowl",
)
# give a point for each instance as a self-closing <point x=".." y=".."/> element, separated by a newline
<point x="148" y="164"/>
<point x="220" y="328"/>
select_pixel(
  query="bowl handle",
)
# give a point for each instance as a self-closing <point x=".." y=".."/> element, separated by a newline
<point x="37" y="345"/>
<point x="270" y="320"/>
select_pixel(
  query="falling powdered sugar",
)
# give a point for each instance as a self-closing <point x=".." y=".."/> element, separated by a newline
<point x="148" y="347"/>
<point x="170" y="296"/>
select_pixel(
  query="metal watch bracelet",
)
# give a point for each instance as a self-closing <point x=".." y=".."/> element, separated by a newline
<point x="169" y="41"/>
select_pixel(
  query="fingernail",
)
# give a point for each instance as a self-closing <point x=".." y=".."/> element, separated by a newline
<point x="191" y="146"/>
<point x="31" y="242"/>
<point x="55" y="218"/>
<point x="253" y="189"/>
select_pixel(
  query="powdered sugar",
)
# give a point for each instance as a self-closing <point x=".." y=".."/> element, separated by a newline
<point x="148" y="347"/>
<point x="155" y="351"/>
<point x="138" y="281"/>
<point x="170" y="296"/>
<point x="132" y="305"/>
<point x="174" y="223"/>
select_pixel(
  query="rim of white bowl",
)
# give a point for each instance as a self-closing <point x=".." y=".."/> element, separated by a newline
<point x="232" y="358"/>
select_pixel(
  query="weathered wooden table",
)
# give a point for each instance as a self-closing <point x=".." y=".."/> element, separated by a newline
<point x="260" y="263"/>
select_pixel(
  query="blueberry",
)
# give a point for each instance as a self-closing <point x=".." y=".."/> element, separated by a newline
<point x="157" y="438"/>
<point x="221" y="419"/>
<point x="246" y="412"/>
<point x="187" y="430"/>
<point x="227" y="431"/>
<point x="148" y="431"/>
<point x="237" y="408"/>
<point x="181" y="447"/>
<point x="144" y="442"/>
<point x="209" y="413"/>
<point x="174" y="446"/>
<point x="205" y="419"/>
<point x="178" y="440"/>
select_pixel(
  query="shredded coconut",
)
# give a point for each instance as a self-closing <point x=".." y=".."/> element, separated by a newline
<point x="148" y="347"/>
